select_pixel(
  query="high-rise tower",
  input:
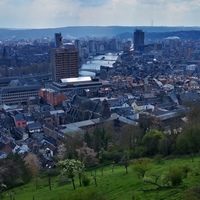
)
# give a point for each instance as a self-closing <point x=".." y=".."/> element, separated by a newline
<point x="64" y="62"/>
<point x="138" y="40"/>
<point x="58" y="40"/>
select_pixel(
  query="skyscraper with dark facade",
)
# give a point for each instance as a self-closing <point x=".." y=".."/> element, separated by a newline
<point x="138" y="40"/>
<point x="64" y="62"/>
<point x="58" y="40"/>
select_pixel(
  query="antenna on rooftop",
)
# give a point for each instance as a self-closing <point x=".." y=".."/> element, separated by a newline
<point x="152" y="22"/>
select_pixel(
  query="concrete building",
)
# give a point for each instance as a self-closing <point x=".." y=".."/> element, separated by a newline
<point x="79" y="85"/>
<point x="64" y="63"/>
<point x="77" y="44"/>
<point x="138" y="40"/>
<point x="91" y="45"/>
<point x="58" y="40"/>
<point x="18" y="94"/>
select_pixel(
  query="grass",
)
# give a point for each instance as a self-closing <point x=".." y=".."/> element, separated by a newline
<point x="114" y="185"/>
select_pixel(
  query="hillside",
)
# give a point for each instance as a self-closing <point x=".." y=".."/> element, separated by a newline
<point x="91" y="31"/>
<point x="114" y="184"/>
<point x="185" y="35"/>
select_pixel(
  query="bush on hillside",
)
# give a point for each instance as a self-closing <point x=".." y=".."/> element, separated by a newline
<point x="176" y="175"/>
<point x="85" y="180"/>
<point x="192" y="193"/>
<point x="86" y="195"/>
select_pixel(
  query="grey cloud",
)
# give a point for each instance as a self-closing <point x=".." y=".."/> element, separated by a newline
<point x="92" y="3"/>
<point x="17" y="2"/>
<point x="151" y="2"/>
<point x="164" y="2"/>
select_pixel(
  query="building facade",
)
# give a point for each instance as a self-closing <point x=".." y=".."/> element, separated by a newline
<point x="58" y="40"/>
<point x="52" y="97"/>
<point x="138" y="40"/>
<point x="19" y="94"/>
<point x="64" y="63"/>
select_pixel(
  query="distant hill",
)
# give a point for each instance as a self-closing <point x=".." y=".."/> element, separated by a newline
<point x="94" y="31"/>
<point x="187" y="34"/>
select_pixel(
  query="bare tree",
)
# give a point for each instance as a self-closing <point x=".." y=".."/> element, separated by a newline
<point x="87" y="155"/>
<point x="62" y="150"/>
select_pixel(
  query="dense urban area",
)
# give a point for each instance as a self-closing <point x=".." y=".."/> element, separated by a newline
<point x="58" y="109"/>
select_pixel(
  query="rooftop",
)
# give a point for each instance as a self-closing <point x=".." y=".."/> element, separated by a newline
<point x="78" y="79"/>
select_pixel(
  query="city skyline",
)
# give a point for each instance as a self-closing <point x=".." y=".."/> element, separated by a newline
<point x="62" y="13"/>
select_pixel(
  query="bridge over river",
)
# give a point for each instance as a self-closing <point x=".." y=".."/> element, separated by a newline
<point x="90" y="70"/>
<point x="105" y="59"/>
<point x="94" y="64"/>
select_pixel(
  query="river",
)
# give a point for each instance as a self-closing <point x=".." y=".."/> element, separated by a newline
<point x="95" y="63"/>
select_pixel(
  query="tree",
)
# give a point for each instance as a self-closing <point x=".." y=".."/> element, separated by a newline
<point x="167" y="144"/>
<point x="62" y="151"/>
<point x="151" y="141"/>
<point x="70" y="167"/>
<point x="33" y="163"/>
<point x="194" y="114"/>
<point x="111" y="155"/>
<point x="100" y="138"/>
<point x="141" y="166"/>
<point x="188" y="141"/>
<point x="73" y="141"/>
<point x="129" y="136"/>
<point x="125" y="160"/>
<point x="87" y="155"/>
<point x="88" y="138"/>
<point x="2" y="187"/>
<point x="14" y="171"/>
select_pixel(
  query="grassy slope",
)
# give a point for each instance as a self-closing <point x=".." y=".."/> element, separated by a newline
<point x="115" y="185"/>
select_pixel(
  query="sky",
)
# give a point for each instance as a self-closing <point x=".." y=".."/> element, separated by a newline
<point x="62" y="13"/>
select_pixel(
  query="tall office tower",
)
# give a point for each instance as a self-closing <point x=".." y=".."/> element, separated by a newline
<point x="138" y="40"/>
<point x="64" y="63"/>
<point x="77" y="44"/>
<point x="58" y="40"/>
<point x="91" y="45"/>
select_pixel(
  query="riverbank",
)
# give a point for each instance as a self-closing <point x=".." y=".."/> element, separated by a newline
<point x="96" y="62"/>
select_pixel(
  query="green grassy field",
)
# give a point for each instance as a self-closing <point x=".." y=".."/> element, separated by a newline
<point x="114" y="185"/>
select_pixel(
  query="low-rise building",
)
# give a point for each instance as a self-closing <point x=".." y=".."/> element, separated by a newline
<point x="18" y="94"/>
<point x="52" y="97"/>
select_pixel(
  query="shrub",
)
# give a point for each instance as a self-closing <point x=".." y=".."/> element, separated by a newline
<point x="86" y="195"/>
<point x="52" y="172"/>
<point x="141" y="166"/>
<point x="113" y="155"/>
<point x="192" y="193"/>
<point x="85" y="180"/>
<point x="158" y="159"/>
<point x="185" y="170"/>
<point x="63" y="181"/>
<point x="18" y="182"/>
<point x="176" y="175"/>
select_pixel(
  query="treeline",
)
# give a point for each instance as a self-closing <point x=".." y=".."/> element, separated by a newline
<point x="14" y="171"/>
<point x="110" y="141"/>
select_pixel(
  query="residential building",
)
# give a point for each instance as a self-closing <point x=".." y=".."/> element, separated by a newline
<point x="52" y="97"/>
<point x="64" y="63"/>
